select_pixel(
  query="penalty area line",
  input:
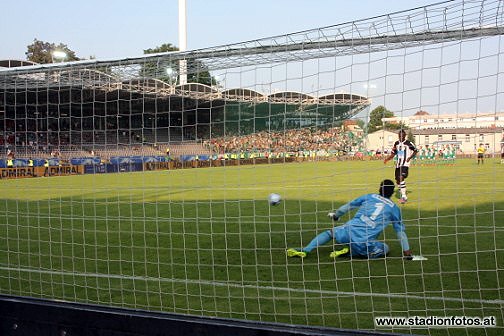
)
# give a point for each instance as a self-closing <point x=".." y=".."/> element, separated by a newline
<point x="238" y="285"/>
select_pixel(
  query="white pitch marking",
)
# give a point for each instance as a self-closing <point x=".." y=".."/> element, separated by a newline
<point x="237" y="285"/>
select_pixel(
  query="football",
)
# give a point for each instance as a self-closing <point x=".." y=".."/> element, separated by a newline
<point x="274" y="199"/>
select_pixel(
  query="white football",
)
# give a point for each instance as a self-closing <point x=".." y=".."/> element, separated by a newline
<point x="274" y="199"/>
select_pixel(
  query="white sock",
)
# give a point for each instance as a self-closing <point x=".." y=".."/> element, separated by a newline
<point x="402" y="188"/>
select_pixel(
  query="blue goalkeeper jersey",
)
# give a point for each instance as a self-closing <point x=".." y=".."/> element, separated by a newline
<point x="374" y="215"/>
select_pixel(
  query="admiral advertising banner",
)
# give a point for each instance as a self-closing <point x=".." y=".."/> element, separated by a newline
<point x="27" y="172"/>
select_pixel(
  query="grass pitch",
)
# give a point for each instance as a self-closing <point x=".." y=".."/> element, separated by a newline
<point x="206" y="242"/>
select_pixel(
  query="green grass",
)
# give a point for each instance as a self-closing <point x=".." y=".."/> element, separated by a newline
<point x="205" y="242"/>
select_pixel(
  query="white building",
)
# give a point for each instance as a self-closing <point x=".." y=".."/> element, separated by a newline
<point x="381" y="141"/>
<point x="466" y="131"/>
<point x="466" y="139"/>
<point x="424" y="120"/>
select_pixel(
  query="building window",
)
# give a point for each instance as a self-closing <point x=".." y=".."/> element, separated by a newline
<point x="440" y="137"/>
<point x="481" y="137"/>
<point x="454" y="137"/>
<point x="426" y="139"/>
<point x="467" y="138"/>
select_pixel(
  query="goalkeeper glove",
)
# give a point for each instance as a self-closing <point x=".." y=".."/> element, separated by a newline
<point x="333" y="216"/>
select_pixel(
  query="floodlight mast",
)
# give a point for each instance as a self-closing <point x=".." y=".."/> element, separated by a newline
<point x="182" y="41"/>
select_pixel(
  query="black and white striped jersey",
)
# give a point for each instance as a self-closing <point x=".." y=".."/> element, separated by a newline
<point x="402" y="151"/>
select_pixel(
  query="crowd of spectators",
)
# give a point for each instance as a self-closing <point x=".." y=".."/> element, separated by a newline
<point x="295" y="140"/>
<point x="274" y="143"/>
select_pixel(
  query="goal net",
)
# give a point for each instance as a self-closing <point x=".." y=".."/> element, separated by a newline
<point x="122" y="186"/>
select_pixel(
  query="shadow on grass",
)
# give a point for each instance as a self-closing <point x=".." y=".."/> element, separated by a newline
<point x="227" y="258"/>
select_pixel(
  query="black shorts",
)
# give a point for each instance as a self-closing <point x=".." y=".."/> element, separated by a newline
<point x="480" y="155"/>
<point x="401" y="171"/>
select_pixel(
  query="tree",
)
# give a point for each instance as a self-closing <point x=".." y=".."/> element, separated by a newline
<point x="395" y="126"/>
<point x="165" y="70"/>
<point x="169" y="69"/>
<point x="376" y="123"/>
<point x="361" y="123"/>
<point x="41" y="52"/>
<point x="411" y="137"/>
<point x="375" y="118"/>
<point x="165" y="47"/>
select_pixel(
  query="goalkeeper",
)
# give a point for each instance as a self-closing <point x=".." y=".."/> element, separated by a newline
<point x="376" y="212"/>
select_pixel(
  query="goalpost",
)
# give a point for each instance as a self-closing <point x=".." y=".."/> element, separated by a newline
<point x="121" y="187"/>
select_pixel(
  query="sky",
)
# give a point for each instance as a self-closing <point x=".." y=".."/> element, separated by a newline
<point x="113" y="29"/>
<point x="116" y="29"/>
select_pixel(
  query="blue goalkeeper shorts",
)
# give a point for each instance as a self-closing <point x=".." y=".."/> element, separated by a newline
<point x="370" y="249"/>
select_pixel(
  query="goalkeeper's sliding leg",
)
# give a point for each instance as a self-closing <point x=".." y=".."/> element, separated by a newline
<point x="321" y="239"/>
<point x="370" y="249"/>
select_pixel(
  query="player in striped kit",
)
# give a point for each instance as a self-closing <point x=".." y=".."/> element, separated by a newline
<point x="405" y="150"/>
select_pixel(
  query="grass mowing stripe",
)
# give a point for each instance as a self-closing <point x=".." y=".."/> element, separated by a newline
<point x="205" y="241"/>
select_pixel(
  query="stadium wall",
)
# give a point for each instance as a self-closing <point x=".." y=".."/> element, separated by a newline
<point x="22" y="316"/>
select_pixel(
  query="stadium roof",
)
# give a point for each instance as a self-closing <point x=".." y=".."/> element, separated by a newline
<point x="15" y="63"/>
<point x="243" y="95"/>
<point x="291" y="97"/>
<point x="97" y="80"/>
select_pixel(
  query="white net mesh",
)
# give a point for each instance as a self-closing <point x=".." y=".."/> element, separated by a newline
<point x="166" y="206"/>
